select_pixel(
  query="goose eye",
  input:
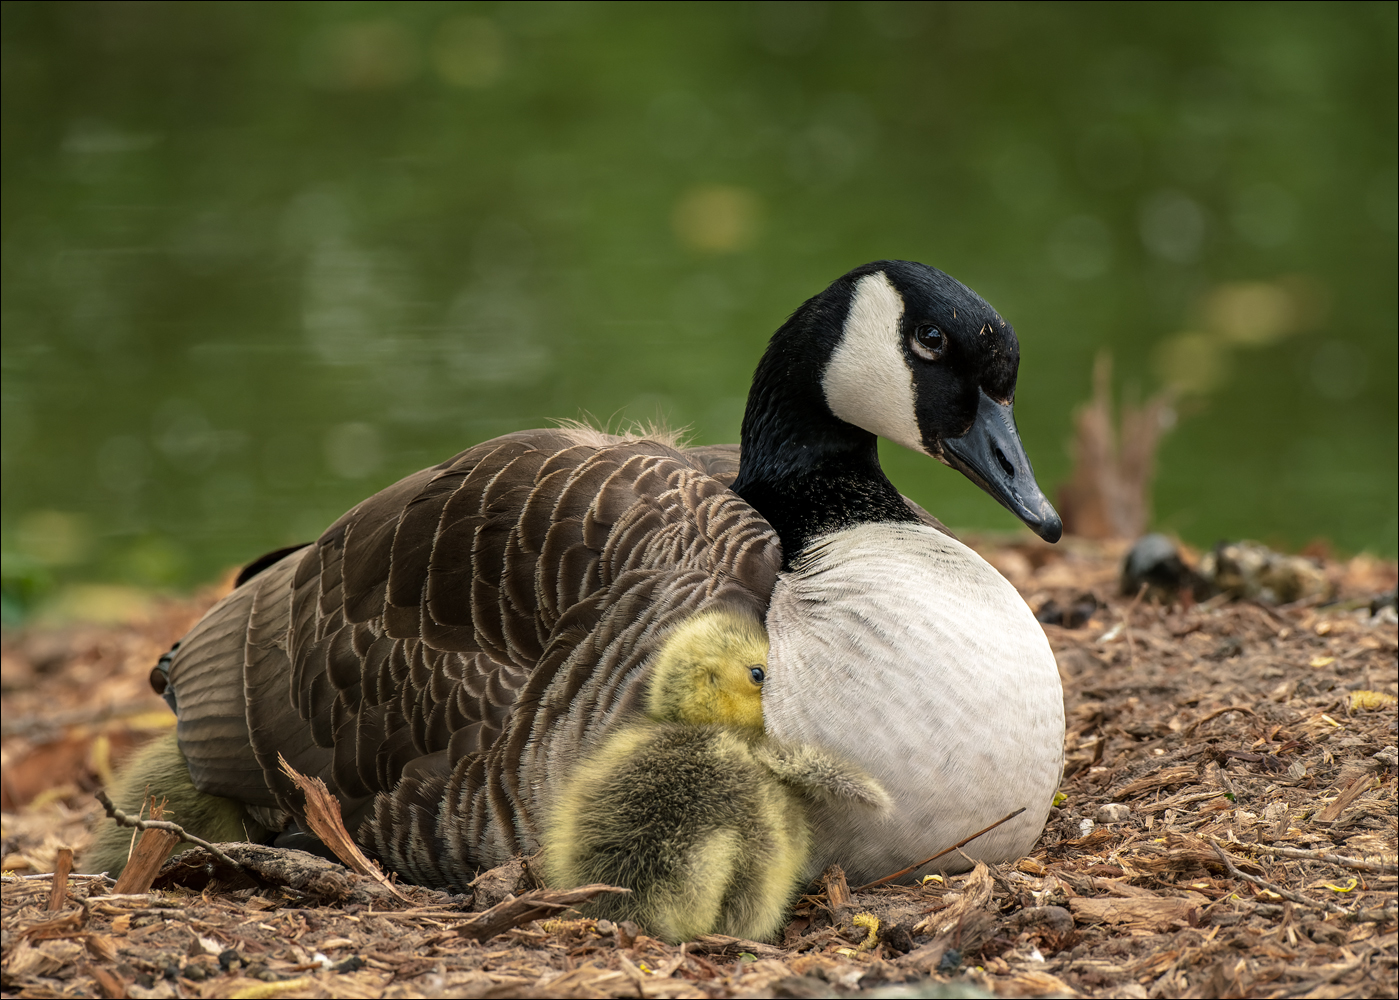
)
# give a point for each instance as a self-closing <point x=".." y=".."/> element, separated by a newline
<point x="928" y="342"/>
<point x="757" y="674"/>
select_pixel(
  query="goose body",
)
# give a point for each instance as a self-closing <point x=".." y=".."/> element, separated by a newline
<point x="957" y="744"/>
<point x="452" y="648"/>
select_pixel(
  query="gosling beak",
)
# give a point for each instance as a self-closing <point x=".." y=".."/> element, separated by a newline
<point x="990" y="454"/>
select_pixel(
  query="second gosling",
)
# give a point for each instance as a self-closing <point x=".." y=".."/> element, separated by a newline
<point x="693" y="807"/>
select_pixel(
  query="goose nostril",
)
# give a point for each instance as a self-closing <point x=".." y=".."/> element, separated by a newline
<point x="1005" y="464"/>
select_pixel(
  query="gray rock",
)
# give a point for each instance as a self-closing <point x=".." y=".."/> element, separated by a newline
<point x="1113" y="812"/>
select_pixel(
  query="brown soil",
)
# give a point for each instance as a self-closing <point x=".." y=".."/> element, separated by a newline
<point x="1199" y="737"/>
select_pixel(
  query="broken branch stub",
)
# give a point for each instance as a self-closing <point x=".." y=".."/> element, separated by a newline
<point x="323" y="817"/>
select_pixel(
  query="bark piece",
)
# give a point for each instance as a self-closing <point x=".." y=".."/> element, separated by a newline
<point x="58" y="894"/>
<point x="1157" y="916"/>
<point x="150" y="853"/>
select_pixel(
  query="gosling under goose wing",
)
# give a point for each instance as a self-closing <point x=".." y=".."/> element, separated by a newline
<point x="478" y="623"/>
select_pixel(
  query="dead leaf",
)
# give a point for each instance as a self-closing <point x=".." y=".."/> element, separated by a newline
<point x="323" y="817"/>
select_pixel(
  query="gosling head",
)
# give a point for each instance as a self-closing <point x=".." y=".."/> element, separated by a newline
<point x="711" y="671"/>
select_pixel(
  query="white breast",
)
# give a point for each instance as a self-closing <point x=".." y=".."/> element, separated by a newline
<point x="907" y="653"/>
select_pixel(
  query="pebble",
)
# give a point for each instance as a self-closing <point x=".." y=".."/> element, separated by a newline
<point x="1113" y="812"/>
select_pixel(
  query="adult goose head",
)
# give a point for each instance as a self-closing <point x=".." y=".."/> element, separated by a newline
<point x="897" y="350"/>
<point x="449" y="653"/>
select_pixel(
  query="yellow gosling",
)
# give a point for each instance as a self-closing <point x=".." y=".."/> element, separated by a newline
<point x="689" y="818"/>
<point x="694" y="808"/>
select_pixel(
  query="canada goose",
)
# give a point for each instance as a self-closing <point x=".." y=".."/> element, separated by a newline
<point x="453" y="644"/>
<point x="693" y="808"/>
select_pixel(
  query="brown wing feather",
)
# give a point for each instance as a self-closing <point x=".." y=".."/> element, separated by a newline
<point x="454" y="643"/>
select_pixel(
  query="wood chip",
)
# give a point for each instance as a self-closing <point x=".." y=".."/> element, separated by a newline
<point x="58" y="893"/>
<point x="1353" y="791"/>
<point x="1157" y="916"/>
<point x="1169" y="776"/>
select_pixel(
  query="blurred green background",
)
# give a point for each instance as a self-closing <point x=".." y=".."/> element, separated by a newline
<point x="262" y="259"/>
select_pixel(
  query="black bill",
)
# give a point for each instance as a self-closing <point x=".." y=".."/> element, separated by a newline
<point x="990" y="454"/>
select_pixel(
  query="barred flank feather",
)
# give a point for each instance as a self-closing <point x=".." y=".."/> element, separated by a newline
<point x="455" y="638"/>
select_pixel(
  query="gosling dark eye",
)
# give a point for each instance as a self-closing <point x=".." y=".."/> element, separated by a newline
<point x="928" y="343"/>
<point x="757" y="674"/>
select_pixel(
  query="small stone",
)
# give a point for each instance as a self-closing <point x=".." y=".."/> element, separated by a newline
<point x="1113" y="812"/>
<point x="1154" y="562"/>
<point x="1085" y="827"/>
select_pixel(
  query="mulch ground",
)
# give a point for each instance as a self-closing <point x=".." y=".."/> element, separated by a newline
<point x="1227" y="829"/>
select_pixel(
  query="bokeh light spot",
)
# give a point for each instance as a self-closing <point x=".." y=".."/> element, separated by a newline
<point x="715" y="218"/>
<point x="361" y="55"/>
<point x="469" y="52"/>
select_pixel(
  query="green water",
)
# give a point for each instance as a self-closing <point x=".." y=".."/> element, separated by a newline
<point x="260" y="260"/>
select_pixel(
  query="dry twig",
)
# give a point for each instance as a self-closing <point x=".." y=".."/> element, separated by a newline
<point x="1359" y="864"/>
<point x="58" y="892"/>
<point x="948" y="850"/>
<point x="122" y="819"/>
<point x="1345" y="800"/>
<point x="323" y="817"/>
<point x="1273" y="887"/>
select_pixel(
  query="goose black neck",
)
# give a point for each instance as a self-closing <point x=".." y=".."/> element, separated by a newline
<point x="805" y="470"/>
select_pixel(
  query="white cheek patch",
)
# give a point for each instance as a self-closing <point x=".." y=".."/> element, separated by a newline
<point x="868" y="382"/>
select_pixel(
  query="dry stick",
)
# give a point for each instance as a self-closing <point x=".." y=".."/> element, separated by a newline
<point x="145" y="861"/>
<point x="123" y="819"/>
<point x="58" y="893"/>
<point x="1176" y="801"/>
<point x="1296" y="897"/>
<point x="1345" y="800"/>
<point x="948" y="850"/>
<point x="1359" y="864"/>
